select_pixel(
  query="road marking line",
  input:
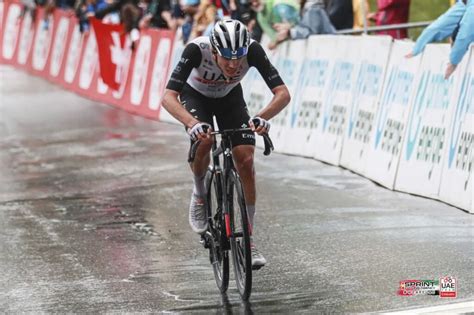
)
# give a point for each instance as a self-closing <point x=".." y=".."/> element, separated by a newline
<point x="454" y="308"/>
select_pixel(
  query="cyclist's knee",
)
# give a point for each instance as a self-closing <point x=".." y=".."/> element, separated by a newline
<point x="245" y="162"/>
<point x="204" y="147"/>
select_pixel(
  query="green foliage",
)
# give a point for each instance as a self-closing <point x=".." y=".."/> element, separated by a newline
<point x="421" y="10"/>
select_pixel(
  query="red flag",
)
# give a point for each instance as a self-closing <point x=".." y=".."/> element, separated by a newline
<point x="112" y="52"/>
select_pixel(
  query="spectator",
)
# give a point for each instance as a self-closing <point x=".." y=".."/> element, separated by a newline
<point x="392" y="12"/>
<point x="314" y="20"/>
<point x="275" y="11"/>
<point x="243" y="12"/>
<point x="158" y="14"/>
<point x="29" y="6"/>
<point x="361" y="11"/>
<point x="189" y="8"/>
<point x="463" y="39"/>
<point x="129" y="12"/>
<point x="50" y="5"/>
<point x="340" y="13"/>
<point x="204" y="19"/>
<point x="445" y="25"/>
<point x="86" y="8"/>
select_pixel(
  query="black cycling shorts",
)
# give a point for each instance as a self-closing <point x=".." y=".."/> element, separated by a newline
<point x="231" y="111"/>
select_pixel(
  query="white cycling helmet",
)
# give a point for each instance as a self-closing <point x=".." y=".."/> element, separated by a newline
<point x="230" y="38"/>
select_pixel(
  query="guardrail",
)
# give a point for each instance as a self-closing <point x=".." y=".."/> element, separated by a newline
<point x="385" y="28"/>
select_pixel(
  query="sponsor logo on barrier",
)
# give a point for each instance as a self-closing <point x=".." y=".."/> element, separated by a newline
<point x="367" y="85"/>
<point x="464" y="105"/>
<point x="89" y="62"/>
<point x="433" y="92"/>
<point x="12" y="28"/>
<point x="313" y="75"/>
<point x="26" y="39"/>
<point x="340" y="81"/>
<point x="397" y="92"/>
<point x="158" y="80"/>
<point x="73" y="56"/>
<point x="42" y="45"/>
<point x="59" y="45"/>
<point x="140" y="71"/>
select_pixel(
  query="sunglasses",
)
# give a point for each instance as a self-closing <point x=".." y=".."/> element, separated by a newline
<point x="227" y="53"/>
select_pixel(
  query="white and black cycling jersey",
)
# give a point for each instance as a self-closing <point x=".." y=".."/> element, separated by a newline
<point x="197" y="67"/>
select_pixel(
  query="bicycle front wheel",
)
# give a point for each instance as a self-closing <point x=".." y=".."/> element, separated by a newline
<point x="240" y="236"/>
<point x="217" y="239"/>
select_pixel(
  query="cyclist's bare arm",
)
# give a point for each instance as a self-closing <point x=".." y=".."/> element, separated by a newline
<point x="190" y="58"/>
<point x="281" y="98"/>
<point x="174" y="107"/>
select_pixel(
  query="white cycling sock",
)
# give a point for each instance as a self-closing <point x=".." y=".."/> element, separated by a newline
<point x="251" y="214"/>
<point x="199" y="187"/>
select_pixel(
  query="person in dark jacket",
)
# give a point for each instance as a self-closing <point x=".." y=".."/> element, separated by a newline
<point x="340" y="13"/>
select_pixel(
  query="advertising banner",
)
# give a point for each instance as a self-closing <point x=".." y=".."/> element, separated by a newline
<point x="426" y="135"/>
<point x="337" y="99"/>
<point x="386" y="136"/>
<point x="60" y="41"/>
<point x="155" y="97"/>
<point x="456" y="184"/>
<point x="289" y="61"/>
<point x="149" y="74"/>
<point x="75" y="46"/>
<point x="11" y="31"/>
<point x="308" y="98"/>
<point x="364" y="101"/>
<point x="27" y="34"/>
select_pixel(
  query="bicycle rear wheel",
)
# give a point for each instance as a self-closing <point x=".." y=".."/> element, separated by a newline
<point x="217" y="239"/>
<point x="240" y="238"/>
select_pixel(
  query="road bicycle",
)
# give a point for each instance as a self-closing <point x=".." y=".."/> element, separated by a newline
<point x="228" y="228"/>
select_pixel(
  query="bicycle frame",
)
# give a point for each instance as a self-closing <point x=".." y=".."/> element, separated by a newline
<point x="225" y="149"/>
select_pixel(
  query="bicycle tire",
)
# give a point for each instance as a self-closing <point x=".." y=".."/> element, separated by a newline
<point x="218" y="254"/>
<point x="240" y="238"/>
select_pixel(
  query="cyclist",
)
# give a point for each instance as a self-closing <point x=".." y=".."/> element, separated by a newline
<point x="206" y="82"/>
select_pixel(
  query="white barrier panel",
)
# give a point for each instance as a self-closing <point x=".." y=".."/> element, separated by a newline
<point x="421" y="162"/>
<point x="42" y="44"/>
<point x="308" y="97"/>
<point x="387" y="133"/>
<point x="289" y="60"/>
<point x="337" y="100"/>
<point x="59" y="46"/>
<point x="365" y="96"/>
<point x="26" y="39"/>
<point x="456" y="185"/>
<point x="178" y="48"/>
<point x="159" y="81"/>
<point x="11" y="31"/>
<point x="140" y="70"/>
<point x="73" y="55"/>
<point x="89" y="62"/>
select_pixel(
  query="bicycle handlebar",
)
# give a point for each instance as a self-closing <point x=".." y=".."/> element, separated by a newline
<point x="266" y="140"/>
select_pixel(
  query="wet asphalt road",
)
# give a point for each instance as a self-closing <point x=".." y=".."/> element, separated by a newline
<point x="93" y="218"/>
